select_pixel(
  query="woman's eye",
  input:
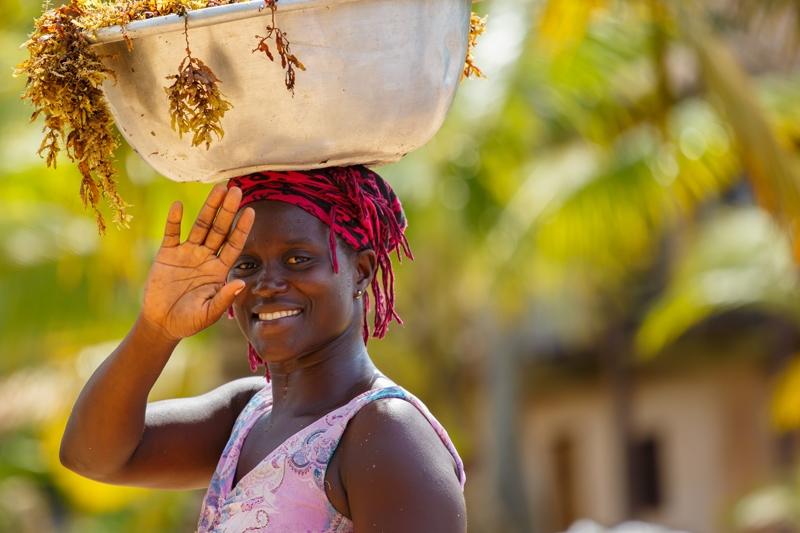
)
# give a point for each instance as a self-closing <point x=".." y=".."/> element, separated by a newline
<point x="297" y="259"/>
<point x="246" y="266"/>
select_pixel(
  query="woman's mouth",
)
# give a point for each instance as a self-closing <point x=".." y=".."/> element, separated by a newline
<point x="277" y="315"/>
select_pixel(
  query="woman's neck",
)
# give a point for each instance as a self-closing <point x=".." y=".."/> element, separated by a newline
<point x="316" y="382"/>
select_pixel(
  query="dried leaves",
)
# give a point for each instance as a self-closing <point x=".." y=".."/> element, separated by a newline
<point x="477" y="26"/>
<point x="196" y="104"/>
<point x="288" y="60"/>
<point x="64" y="80"/>
<point x="102" y="13"/>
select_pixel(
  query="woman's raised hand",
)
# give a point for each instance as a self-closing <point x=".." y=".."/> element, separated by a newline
<point x="186" y="290"/>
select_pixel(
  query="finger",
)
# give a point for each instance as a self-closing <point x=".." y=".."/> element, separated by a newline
<point x="224" y="298"/>
<point x="172" y="230"/>
<point x="224" y="219"/>
<point x="237" y="238"/>
<point x="207" y="213"/>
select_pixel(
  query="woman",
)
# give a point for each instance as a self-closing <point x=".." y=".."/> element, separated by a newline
<point x="330" y="443"/>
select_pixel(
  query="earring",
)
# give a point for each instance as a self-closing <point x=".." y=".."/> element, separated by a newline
<point x="359" y="294"/>
<point x="255" y="361"/>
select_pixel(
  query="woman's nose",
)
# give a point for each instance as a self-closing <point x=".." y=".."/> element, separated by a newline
<point x="269" y="281"/>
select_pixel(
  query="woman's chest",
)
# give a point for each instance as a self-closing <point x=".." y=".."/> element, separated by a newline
<point x="277" y="479"/>
<point x="302" y="448"/>
<point x="267" y="435"/>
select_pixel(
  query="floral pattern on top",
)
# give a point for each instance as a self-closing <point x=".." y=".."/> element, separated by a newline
<point x="285" y="492"/>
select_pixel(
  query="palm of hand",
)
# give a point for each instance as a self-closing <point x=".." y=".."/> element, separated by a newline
<point x="180" y="287"/>
<point x="186" y="290"/>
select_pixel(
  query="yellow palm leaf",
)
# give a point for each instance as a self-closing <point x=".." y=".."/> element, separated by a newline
<point x="786" y="398"/>
<point x="770" y="168"/>
<point x="84" y="493"/>
<point x="564" y="22"/>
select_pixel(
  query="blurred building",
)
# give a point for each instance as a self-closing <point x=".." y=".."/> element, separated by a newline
<point x="699" y="435"/>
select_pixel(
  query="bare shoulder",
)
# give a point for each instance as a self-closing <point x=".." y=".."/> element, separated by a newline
<point x="398" y="426"/>
<point x="390" y="448"/>
<point x="238" y="392"/>
<point x="227" y="400"/>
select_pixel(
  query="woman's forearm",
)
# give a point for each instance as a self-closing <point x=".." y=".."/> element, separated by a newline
<point x="185" y="292"/>
<point x="107" y="420"/>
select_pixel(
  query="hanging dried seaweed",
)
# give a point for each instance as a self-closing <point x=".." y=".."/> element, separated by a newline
<point x="196" y="104"/>
<point x="64" y="80"/>
<point x="477" y="25"/>
<point x="288" y="60"/>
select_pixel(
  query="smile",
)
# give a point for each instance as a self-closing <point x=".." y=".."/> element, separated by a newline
<point x="268" y="317"/>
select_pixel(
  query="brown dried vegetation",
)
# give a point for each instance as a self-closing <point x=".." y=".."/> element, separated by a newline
<point x="288" y="60"/>
<point x="477" y="25"/>
<point x="64" y="80"/>
<point x="195" y="102"/>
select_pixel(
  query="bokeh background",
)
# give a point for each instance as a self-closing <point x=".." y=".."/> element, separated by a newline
<point x="603" y="309"/>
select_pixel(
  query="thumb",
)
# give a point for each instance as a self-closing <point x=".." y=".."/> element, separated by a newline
<point x="225" y="297"/>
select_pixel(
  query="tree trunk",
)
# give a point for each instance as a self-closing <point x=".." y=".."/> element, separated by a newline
<point x="618" y="370"/>
<point x="511" y="507"/>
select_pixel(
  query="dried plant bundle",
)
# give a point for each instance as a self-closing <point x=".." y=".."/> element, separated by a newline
<point x="196" y="104"/>
<point x="288" y="60"/>
<point x="477" y="25"/>
<point x="65" y="77"/>
<point x="64" y="80"/>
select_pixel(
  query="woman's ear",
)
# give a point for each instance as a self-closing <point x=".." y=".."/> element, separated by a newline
<point x="366" y="264"/>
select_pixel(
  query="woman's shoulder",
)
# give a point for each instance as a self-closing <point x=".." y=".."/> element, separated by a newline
<point x="398" y="416"/>
<point x="393" y="445"/>
<point x="400" y="425"/>
<point x="236" y="395"/>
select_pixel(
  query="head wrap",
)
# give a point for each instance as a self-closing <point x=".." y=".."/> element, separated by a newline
<point x="359" y="207"/>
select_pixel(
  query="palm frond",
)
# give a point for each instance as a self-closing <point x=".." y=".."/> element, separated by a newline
<point x="615" y="219"/>
<point x="739" y="258"/>
<point x="770" y="168"/>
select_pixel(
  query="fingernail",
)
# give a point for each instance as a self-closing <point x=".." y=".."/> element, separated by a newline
<point x="238" y="291"/>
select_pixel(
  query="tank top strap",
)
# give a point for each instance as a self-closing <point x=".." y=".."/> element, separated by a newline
<point x="260" y="401"/>
<point x="337" y="420"/>
<point x="223" y="475"/>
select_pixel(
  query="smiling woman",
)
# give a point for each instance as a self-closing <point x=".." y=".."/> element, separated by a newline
<point x="293" y="302"/>
<point x="326" y="442"/>
<point x="351" y="204"/>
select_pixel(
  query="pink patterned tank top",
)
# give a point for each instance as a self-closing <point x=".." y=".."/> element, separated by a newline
<point x="285" y="492"/>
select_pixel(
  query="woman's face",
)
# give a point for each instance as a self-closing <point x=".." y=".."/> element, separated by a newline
<point x="293" y="303"/>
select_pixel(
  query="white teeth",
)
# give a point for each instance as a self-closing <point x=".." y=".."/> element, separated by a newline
<point x="278" y="314"/>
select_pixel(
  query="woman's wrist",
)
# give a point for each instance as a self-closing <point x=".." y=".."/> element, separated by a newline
<point x="153" y="334"/>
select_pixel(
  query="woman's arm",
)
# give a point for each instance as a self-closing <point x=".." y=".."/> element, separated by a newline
<point x="171" y="444"/>
<point x="112" y="434"/>
<point x="397" y="473"/>
<point x="195" y="429"/>
<point x="107" y="421"/>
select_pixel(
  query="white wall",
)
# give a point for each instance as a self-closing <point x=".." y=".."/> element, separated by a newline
<point x="714" y="440"/>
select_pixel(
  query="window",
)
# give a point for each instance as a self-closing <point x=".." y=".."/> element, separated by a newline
<point x="647" y="492"/>
<point x="564" y="510"/>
